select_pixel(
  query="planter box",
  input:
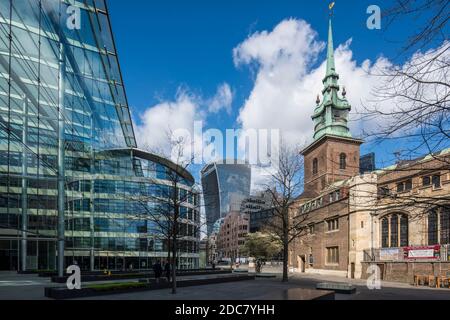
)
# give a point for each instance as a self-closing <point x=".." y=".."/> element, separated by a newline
<point x="38" y="272"/>
<point x="265" y="275"/>
<point x="64" y="293"/>
<point x="102" y="277"/>
<point x="96" y="278"/>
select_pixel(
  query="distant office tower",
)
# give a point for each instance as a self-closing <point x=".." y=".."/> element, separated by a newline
<point x="256" y="203"/>
<point x="221" y="184"/>
<point x="256" y="207"/>
<point x="367" y="163"/>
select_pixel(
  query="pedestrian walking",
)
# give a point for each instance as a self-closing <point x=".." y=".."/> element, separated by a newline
<point x="157" y="269"/>
<point x="167" y="270"/>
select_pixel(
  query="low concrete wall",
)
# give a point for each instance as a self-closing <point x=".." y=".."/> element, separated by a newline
<point x="405" y="271"/>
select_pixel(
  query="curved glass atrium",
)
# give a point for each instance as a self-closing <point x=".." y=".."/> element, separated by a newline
<point x="71" y="177"/>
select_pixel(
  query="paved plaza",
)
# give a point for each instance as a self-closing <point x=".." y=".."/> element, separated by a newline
<point x="31" y="287"/>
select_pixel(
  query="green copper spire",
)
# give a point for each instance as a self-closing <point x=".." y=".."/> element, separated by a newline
<point x="331" y="68"/>
<point x="331" y="114"/>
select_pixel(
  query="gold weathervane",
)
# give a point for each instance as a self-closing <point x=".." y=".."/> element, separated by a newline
<point x="331" y="7"/>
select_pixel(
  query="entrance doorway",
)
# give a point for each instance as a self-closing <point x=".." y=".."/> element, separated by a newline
<point x="381" y="266"/>
<point x="4" y="260"/>
<point x="352" y="270"/>
<point x="302" y="263"/>
<point x="8" y="256"/>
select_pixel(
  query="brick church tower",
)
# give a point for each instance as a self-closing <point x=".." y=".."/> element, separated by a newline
<point x="334" y="155"/>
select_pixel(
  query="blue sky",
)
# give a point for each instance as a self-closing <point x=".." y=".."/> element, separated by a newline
<point x="165" y="45"/>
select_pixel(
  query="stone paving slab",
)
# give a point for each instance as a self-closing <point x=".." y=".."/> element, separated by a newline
<point x="14" y="289"/>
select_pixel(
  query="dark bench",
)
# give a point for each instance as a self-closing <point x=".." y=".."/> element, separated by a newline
<point x="343" y="288"/>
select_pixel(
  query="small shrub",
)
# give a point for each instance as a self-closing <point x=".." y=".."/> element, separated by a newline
<point x="117" y="286"/>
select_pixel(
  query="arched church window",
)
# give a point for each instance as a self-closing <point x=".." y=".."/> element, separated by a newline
<point x="385" y="233"/>
<point x="315" y="166"/>
<point x="394" y="231"/>
<point x="439" y="226"/>
<point x="343" y="161"/>
<point x="445" y="225"/>
<point x="404" y="230"/>
<point x="433" y="227"/>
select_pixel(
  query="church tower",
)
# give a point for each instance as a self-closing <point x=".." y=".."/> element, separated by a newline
<point x="334" y="155"/>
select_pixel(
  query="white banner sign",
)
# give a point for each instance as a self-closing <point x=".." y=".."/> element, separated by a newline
<point x="390" y="254"/>
<point x="418" y="254"/>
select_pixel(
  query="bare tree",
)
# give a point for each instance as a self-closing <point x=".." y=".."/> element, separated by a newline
<point x="172" y="204"/>
<point x="412" y="102"/>
<point x="284" y="186"/>
<point x="432" y="31"/>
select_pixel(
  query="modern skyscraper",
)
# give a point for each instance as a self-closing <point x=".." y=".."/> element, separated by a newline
<point x="221" y="184"/>
<point x="70" y="170"/>
<point x="367" y="163"/>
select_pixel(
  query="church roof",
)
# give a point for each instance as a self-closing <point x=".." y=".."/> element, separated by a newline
<point x="410" y="163"/>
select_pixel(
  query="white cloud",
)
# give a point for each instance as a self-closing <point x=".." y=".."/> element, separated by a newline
<point x="284" y="92"/>
<point x="177" y="118"/>
<point x="222" y="100"/>
<point x="158" y="122"/>
<point x="286" y="87"/>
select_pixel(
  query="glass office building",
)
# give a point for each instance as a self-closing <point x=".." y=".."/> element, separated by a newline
<point x="223" y="183"/>
<point x="70" y="171"/>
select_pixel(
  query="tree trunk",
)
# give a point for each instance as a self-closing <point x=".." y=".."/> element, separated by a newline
<point x="285" y="246"/>
<point x="169" y="251"/>
<point x="285" y="261"/>
<point x="174" y="267"/>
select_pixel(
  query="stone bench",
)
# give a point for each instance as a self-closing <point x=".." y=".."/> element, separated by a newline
<point x="305" y="294"/>
<point x="298" y="294"/>
<point x="240" y="271"/>
<point x="343" y="288"/>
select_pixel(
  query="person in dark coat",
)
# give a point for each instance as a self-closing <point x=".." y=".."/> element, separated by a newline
<point x="157" y="269"/>
<point x="167" y="270"/>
